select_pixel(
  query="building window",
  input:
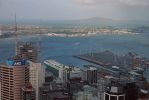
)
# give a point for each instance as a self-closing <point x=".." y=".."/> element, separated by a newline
<point x="121" y="98"/>
<point x="106" y="97"/>
<point x="113" y="98"/>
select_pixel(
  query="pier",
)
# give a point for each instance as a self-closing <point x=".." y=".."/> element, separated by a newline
<point x="91" y="60"/>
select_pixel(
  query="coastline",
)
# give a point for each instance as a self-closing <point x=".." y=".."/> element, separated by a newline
<point x="90" y="34"/>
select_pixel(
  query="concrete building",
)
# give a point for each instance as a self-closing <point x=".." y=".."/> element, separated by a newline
<point x="0" y="90"/>
<point x="54" y="91"/>
<point x="75" y="72"/>
<point x="37" y="76"/>
<point x="88" y="93"/>
<point x="14" y="75"/>
<point x="63" y="72"/>
<point x="28" y="92"/>
<point x="91" y="74"/>
<point x="27" y="50"/>
<point x="56" y="69"/>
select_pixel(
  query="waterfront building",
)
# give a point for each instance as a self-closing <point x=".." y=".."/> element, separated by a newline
<point x="27" y="50"/>
<point x="37" y="76"/>
<point x="58" y="70"/>
<point x="14" y="75"/>
<point x="63" y="72"/>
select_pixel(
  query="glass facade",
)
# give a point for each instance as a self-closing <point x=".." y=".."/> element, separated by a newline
<point x="52" y="70"/>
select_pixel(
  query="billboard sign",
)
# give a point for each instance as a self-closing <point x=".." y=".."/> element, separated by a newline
<point x="16" y="63"/>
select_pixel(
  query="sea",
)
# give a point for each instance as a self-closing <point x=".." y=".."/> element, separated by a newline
<point x="62" y="49"/>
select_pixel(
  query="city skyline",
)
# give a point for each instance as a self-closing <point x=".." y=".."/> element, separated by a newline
<point x="74" y="9"/>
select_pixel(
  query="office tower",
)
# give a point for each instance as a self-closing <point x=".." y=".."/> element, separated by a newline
<point x="0" y="90"/>
<point x="27" y="92"/>
<point x="37" y="76"/>
<point x="14" y="75"/>
<point x="91" y="74"/>
<point x="27" y="50"/>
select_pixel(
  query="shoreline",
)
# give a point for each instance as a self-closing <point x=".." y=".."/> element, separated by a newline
<point x="88" y="34"/>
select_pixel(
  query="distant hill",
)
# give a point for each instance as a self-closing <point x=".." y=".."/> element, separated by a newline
<point x="109" y="22"/>
<point x="95" y="20"/>
<point x="90" y="21"/>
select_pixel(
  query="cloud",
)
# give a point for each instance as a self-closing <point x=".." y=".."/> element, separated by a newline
<point x="115" y="2"/>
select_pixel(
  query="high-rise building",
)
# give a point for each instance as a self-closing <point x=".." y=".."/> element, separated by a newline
<point x="27" y="50"/>
<point x="14" y="75"/>
<point x="91" y="74"/>
<point x="37" y="76"/>
<point x="0" y="90"/>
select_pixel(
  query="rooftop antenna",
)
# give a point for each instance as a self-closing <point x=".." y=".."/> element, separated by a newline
<point x="0" y="30"/>
<point x="15" y="32"/>
<point x="15" y="24"/>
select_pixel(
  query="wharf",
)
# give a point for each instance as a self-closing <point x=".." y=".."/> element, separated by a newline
<point x="91" y="60"/>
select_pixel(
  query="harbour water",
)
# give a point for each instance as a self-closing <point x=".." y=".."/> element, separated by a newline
<point x="62" y="48"/>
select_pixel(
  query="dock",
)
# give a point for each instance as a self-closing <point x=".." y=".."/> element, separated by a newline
<point x="91" y="60"/>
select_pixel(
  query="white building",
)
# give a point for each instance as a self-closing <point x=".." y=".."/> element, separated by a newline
<point x="37" y="76"/>
<point x="61" y="71"/>
<point x="58" y="70"/>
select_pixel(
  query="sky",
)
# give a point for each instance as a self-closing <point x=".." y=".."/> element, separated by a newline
<point x="74" y="9"/>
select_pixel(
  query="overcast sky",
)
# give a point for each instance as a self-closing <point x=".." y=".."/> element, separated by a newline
<point x="74" y="9"/>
